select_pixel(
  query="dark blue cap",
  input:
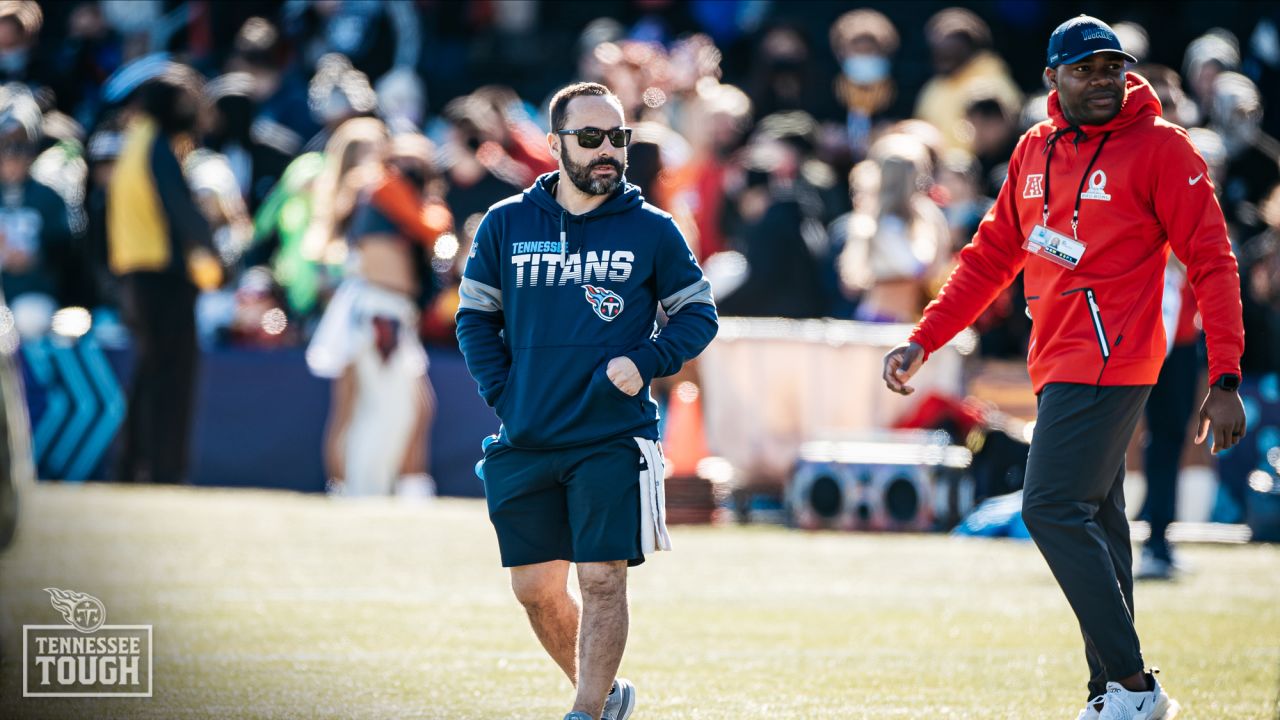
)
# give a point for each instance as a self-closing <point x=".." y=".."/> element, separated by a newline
<point x="1080" y="37"/>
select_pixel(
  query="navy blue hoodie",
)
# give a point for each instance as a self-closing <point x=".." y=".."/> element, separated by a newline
<point x="548" y="298"/>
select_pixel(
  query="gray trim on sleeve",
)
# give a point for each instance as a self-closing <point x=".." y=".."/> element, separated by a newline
<point x="475" y="295"/>
<point x="695" y="293"/>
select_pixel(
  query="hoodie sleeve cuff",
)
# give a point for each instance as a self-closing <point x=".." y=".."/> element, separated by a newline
<point x="917" y="337"/>
<point x="646" y="361"/>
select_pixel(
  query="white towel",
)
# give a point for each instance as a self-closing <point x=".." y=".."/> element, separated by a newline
<point x="653" y="499"/>
<point x="346" y="330"/>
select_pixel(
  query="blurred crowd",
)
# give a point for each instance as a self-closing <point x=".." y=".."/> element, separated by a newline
<point x="812" y="170"/>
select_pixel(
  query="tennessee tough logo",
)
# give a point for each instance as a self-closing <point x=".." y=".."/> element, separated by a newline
<point x="606" y="303"/>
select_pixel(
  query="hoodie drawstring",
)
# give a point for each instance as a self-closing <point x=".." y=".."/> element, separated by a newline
<point x="1057" y="135"/>
<point x="563" y="245"/>
<point x="1049" y="143"/>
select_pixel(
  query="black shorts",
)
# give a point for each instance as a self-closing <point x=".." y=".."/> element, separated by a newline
<point x="578" y="504"/>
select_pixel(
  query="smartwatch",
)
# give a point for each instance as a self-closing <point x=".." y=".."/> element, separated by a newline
<point x="1228" y="382"/>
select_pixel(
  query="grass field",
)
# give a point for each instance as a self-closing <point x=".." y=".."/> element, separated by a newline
<point x="276" y="605"/>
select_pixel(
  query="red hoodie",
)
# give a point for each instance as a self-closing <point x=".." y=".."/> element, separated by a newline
<point x="1148" y="190"/>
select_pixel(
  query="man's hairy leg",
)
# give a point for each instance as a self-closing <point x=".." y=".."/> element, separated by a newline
<point x="605" y="622"/>
<point x="554" y="613"/>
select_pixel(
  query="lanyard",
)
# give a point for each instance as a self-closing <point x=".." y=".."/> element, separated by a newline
<point x="1075" y="215"/>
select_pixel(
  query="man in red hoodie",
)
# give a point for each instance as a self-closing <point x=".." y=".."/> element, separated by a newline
<point x="1096" y="197"/>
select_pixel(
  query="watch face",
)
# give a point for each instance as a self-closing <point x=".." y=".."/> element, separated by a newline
<point x="1229" y="382"/>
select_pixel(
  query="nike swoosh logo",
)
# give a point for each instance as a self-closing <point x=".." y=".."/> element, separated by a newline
<point x="1194" y="180"/>
<point x="1142" y="704"/>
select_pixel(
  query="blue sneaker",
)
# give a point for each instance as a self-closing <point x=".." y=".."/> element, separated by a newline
<point x="621" y="701"/>
<point x="577" y="715"/>
<point x="1154" y="567"/>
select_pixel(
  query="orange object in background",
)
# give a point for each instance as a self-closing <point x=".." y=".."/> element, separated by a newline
<point x="693" y="498"/>
<point x="684" y="441"/>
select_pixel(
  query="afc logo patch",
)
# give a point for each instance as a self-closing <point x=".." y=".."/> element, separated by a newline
<point x="1034" y="187"/>
<point x="606" y="303"/>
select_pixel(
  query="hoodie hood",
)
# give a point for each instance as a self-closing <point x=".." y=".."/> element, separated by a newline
<point x="1139" y="101"/>
<point x="626" y="197"/>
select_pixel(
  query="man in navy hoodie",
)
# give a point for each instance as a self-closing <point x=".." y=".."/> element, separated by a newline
<point x="557" y="324"/>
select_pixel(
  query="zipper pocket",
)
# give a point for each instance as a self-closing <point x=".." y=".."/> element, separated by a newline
<point x="1095" y="314"/>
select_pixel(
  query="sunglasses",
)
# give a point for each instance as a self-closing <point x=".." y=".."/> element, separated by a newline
<point x="591" y="137"/>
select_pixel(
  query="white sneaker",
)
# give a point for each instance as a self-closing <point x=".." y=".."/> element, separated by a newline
<point x="1090" y="711"/>
<point x="621" y="701"/>
<point x="415" y="488"/>
<point x="1122" y="704"/>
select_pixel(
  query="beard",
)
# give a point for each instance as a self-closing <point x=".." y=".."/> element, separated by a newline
<point x="583" y="177"/>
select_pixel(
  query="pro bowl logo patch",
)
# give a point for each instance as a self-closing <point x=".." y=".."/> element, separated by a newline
<point x="606" y="303"/>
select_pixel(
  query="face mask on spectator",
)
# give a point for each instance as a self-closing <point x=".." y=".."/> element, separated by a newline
<point x="13" y="60"/>
<point x="866" y="69"/>
<point x="129" y="18"/>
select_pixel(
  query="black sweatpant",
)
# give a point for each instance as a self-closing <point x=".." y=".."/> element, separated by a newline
<point x="159" y="309"/>
<point x="1073" y="505"/>
<point x="1169" y="411"/>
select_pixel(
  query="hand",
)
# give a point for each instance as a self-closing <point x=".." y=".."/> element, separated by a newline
<point x="204" y="269"/>
<point x="624" y="375"/>
<point x="1225" y="412"/>
<point x="900" y="364"/>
